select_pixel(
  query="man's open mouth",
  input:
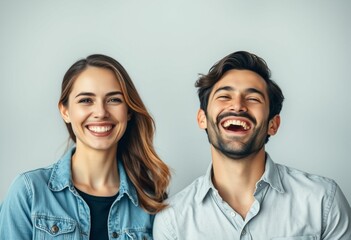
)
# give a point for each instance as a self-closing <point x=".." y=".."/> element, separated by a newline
<point x="236" y="125"/>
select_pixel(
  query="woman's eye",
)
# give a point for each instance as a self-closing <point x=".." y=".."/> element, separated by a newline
<point x="114" y="100"/>
<point x="85" y="100"/>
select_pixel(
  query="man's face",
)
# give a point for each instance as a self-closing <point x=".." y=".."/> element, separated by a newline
<point x="237" y="114"/>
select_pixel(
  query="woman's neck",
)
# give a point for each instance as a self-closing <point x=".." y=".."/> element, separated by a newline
<point x="95" y="172"/>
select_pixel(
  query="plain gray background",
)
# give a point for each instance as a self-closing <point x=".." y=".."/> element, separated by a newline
<point x="164" y="45"/>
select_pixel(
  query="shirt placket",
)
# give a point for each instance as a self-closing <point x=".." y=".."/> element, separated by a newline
<point x="234" y="218"/>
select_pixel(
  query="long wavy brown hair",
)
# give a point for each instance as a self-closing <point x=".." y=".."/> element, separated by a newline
<point x="149" y="174"/>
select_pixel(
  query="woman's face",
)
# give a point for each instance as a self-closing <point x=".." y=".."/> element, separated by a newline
<point x="96" y="110"/>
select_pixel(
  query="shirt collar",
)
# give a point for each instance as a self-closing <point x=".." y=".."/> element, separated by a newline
<point x="272" y="175"/>
<point x="61" y="177"/>
<point x="206" y="185"/>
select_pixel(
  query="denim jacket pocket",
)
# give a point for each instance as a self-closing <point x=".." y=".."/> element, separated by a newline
<point x="310" y="237"/>
<point x="144" y="234"/>
<point x="48" y="227"/>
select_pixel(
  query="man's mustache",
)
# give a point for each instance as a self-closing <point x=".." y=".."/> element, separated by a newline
<point x="233" y="114"/>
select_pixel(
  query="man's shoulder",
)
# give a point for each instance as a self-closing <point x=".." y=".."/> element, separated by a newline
<point x="292" y="172"/>
<point x="180" y="205"/>
<point x="295" y="178"/>
<point x="188" y="195"/>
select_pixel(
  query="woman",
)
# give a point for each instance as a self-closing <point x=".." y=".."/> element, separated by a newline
<point x="111" y="182"/>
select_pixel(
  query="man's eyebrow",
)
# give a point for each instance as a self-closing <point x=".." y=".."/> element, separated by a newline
<point x="93" y="94"/>
<point x="225" y="88"/>
<point x="255" y="90"/>
<point x="248" y="90"/>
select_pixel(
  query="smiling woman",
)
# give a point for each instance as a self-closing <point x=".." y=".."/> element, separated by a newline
<point x="110" y="182"/>
<point x="96" y="110"/>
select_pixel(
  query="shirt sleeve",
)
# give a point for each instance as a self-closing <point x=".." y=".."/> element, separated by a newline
<point x="164" y="225"/>
<point x="338" y="217"/>
<point x="15" y="214"/>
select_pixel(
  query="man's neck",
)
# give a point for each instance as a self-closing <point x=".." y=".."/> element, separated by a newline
<point x="235" y="179"/>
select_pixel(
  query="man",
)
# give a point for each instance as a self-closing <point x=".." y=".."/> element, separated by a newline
<point x="244" y="194"/>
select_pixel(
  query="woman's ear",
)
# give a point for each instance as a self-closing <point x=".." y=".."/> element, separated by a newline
<point x="201" y="119"/>
<point x="273" y="125"/>
<point x="64" y="113"/>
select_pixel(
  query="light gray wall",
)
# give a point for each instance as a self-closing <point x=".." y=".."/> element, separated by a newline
<point x="164" y="45"/>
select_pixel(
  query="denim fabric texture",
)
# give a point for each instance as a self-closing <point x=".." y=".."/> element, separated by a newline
<point x="43" y="204"/>
<point x="289" y="205"/>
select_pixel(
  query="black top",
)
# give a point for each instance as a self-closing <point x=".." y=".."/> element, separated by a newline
<point x="99" y="210"/>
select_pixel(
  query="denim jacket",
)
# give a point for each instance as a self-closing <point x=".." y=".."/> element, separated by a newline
<point x="43" y="204"/>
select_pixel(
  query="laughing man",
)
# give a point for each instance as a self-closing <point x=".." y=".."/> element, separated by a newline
<point x="244" y="194"/>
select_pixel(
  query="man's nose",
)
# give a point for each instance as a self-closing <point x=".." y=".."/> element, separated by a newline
<point x="238" y="104"/>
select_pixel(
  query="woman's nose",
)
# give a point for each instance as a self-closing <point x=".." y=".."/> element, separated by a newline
<point x="100" y="111"/>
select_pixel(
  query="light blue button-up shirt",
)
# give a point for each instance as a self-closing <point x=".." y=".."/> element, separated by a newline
<point x="43" y="204"/>
<point x="289" y="204"/>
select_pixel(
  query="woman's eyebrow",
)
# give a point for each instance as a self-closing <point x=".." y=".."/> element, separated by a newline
<point x="114" y="93"/>
<point x="85" y="94"/>
<point x="93" y="94"/>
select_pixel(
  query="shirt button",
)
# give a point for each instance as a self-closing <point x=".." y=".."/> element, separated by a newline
<point x="54" y="229"/>
<point x="232" y="214"/>
<point x="114" y="235"/>
<point x="243" y="232"/>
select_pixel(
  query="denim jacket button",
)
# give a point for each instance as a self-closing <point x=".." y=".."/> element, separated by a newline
<point x="114" y="235"/>
<point x="54" y="229"/>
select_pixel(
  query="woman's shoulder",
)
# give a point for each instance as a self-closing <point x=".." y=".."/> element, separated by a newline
<point x="22" y="188"/>
<point x="39" y="177"/>
<point x="42" y="176"/>
<point x="37" y="173"/>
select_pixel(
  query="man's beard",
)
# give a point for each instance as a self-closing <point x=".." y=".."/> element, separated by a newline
<point x="234" y="147"/>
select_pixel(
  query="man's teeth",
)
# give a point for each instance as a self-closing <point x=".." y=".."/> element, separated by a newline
<point x="236" y="123"/>
<point x="100" y="129"/>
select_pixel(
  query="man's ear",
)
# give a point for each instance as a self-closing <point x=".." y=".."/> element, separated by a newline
<point x="273" y="125"/>
<point x="201" y="119"/>
<point x="64" y="112"/>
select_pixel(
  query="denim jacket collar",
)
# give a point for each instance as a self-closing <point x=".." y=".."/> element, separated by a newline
<point x="61" y="172"/>
<point x="61" y="178"/>
<point x="126" y="186"/>
<point x="270" y="176"/>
